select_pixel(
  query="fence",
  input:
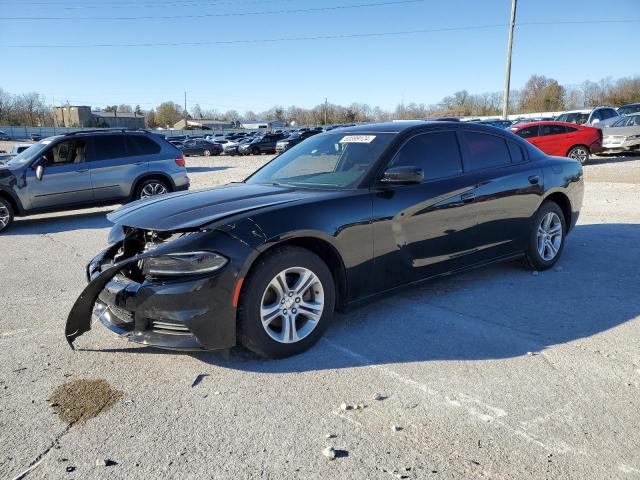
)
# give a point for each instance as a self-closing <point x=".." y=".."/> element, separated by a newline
<point x="24" y="133"/>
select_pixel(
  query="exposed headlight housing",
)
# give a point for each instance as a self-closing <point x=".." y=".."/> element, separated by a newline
<point x="179" y="264"/>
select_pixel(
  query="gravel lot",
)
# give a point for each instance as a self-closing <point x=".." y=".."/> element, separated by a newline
<point x="497" y="373"/>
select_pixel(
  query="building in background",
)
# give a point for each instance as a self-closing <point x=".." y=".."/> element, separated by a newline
<point x="261" y="124"/>
<point x="82" y="116"/>
<point x="204" y="124"/>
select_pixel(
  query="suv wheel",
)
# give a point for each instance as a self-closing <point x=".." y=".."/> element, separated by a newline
<point x="255" y="151"/>
<point x="286" y="304"/>
<point x="151" y="187"/>
<point x="546" y="239"/>
<point x="580" y="153"/>
<point x="6" y="214"/>
<point x="207" y="153"/>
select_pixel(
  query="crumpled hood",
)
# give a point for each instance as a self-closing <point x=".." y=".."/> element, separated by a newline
<point x="192" y="209"/>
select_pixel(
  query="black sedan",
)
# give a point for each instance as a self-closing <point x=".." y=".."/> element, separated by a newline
<point x="294" y="139"/>
<point x="335" y="221"/>
<point x="263" y="144"/>
<point x="200" y="147"/>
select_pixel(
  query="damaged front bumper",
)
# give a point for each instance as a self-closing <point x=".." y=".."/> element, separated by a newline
<point x="180" y="313"/>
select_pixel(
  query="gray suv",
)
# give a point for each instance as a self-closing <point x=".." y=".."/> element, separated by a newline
<point x="87" y="169"/>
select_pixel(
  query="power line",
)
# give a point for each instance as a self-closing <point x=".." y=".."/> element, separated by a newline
<point x="233" y="14"/>
<point x="171" y="3"/>
<point x="314" y="37"/>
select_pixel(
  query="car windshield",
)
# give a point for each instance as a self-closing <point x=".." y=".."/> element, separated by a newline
<point x="29" y="154"/>
<point x="577" y="117"/>
<point x="332" y="160"/>
<point x="629" y="110"/>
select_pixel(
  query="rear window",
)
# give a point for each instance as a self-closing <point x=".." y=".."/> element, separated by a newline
<point x="109" y="146"/>
<point x="552" y="129"/>
<point x="485" y="151"/>
<point x="515" y="150"/>
<point x="139" y="145"/>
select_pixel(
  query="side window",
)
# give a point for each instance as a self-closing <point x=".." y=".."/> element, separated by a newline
<point x="596" y="115"/>
<point x="515" y="150"/>
<point x="552" y="130"/>
<point x="437" y="154"/>
<point x="109" y="146"/>
<point x="528" y="132"/>
<point x="485" y="151"/>
<point x="139" y="145"/>
<point x="571" y="129"/>
<point x="67" y="152"/>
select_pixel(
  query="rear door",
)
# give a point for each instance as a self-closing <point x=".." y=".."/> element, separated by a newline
<point x="552" y="139"/>
<point x="424" y="229"/>
<point x="508" y="192"/>
<point x="114" y="167"/>
<point x="66" y="179"/>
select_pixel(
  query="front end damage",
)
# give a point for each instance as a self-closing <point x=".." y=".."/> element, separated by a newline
<point x="185" y="311"/>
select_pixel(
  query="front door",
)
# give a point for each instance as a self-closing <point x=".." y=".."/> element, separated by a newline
<point x="424" y="229"/>
<point x="66" y="178"/>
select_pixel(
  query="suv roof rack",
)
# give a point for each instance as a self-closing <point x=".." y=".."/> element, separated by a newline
<point x="107" y="130"/>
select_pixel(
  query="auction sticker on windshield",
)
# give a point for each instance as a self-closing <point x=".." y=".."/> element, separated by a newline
<point x="357" y="139"/>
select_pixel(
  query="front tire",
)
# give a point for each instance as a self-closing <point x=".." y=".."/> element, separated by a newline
<point x="6" y="214"/>
<point x="255" y="151"/>
<point x="546" y="239"/>
<point x="286" y="304"/>
<point x="580" y="153"/>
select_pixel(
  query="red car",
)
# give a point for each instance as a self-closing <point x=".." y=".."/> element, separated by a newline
<point x="562" y="139"/>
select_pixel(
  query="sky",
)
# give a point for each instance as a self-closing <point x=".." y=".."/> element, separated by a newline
<point x="464" y="47"/>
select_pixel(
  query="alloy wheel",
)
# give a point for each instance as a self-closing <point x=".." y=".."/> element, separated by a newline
<point x="292" y="305"/>
<point x="4" y="216"/>
<point x="153" y="188"/>
<point x="549" y="236"/>
<point x="579" y="153"/>
<point x="207" y="153"/>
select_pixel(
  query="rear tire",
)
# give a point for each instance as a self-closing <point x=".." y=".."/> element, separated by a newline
<point x="6" y="214"/>
<point x="580" y="153"/>
<point x="207" y="153"/>
<point x="151" y="187"/>
<point x="546" y="238"/>
<point x="277" y="320"/>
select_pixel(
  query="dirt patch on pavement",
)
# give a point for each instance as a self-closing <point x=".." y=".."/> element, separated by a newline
<point x="80" y="400"/>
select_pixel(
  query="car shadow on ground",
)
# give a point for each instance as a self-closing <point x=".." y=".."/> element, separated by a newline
<point x="205" y="169"/>
<point x="59" y="223"/>
<point x="501" y="311"/>
<point x="602" y="159"/>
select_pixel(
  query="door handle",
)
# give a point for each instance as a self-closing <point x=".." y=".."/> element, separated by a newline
<point x="82" y="170"/>
<point x="534" y="179"/>
<point x="468" y="197"/>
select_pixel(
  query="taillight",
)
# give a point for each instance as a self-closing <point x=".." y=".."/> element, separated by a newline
<point x="180" y="161"/>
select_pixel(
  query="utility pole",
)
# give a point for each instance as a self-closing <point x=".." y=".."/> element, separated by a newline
<point x="185" y="111"/>
<point x="507" y="81"/>
<point x="325" y="110"/>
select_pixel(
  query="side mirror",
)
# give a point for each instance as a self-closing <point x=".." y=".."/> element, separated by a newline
<point x="39" y="171"/>
<point x="402" y="176"/>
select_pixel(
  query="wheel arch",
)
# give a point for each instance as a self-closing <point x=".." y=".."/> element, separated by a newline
<point x="13" y="201"/>
<point x="563" y="201"/>
<point x="323" y="248"/>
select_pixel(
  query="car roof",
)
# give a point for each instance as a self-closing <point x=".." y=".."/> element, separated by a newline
<point x="549" y="122"/>
<point x="398" y="127"/>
